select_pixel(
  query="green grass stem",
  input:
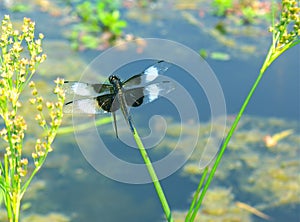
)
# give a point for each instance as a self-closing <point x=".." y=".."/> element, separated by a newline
<point x="196" y="195"/>
<point x="153" y="176"/>
<point x="229" y="135"/>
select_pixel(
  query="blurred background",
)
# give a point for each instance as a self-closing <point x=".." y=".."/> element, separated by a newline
<point x="233" y="38"/>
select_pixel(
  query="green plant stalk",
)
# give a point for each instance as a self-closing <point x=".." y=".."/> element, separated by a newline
<point x="84" y="126"/>
<point x="196" y="195"/>
<point x="13" y="207"/>
<point x="12" y="197"/>
<point x="7" y="198"/>
<point x="153" y="176"/>
<point x="269" y="59"/>
<point x="17" y="203"/>
<point x="34" y="172"/>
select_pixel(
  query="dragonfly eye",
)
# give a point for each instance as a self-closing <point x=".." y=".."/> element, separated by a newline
<point x="112" y="79"/>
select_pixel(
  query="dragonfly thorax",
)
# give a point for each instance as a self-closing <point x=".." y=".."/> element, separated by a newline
<point x="113" y="79"/>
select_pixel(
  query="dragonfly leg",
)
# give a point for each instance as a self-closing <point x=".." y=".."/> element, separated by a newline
<point x="130" y="123"/>
<point x="115" y="124"/>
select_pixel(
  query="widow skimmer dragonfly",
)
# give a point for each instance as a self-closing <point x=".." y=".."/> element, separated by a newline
<point x="109" y="97"/>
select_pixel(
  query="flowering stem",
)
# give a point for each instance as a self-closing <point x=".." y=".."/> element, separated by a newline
<point x="17" y="67"/>
<point x="282" y="41"/>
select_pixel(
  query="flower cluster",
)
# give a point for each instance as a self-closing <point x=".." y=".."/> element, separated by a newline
<point x="17" y="64"/>
<point x="287" y="30"/>
<point x="20" y="55"/>
<point x="50" y="126"/>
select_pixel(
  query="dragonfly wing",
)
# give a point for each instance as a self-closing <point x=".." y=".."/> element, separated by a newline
<point x="97" y="105"/>
<point x="147" y="76"/>
<point x="134" y="97"/>
<point x="156" y="90"/>
<point x="108" y="102"/>
<point x="83" y="106"/>
<point x="86" y="89"/>
<point x="141" y="95"/>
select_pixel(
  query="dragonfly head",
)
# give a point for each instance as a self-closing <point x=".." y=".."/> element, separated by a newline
<point x="113" y="78"/>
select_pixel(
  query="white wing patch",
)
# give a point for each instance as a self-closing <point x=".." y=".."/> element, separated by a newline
<point x="79" y="88"/>
<point x="151" y="73"/>
<point x="157" y="69"/>
<point x="153" y="92"/>
<point x="82" y="89"/>
<point x="88" y="106"/>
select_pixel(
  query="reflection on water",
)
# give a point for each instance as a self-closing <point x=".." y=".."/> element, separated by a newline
<point x="262" y="176"/>
<point x="250" y="174"/>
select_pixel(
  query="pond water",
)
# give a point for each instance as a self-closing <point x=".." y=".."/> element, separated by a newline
<point x="68" y="185"/>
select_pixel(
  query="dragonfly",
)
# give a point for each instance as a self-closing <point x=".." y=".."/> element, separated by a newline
<point x="101" y="98"/>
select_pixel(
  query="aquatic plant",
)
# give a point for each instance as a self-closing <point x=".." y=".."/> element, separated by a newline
<point x="99" y="24"/>
<point x="21" y="54"/>
<point x="221" y="6"/>
<point x="249" y="15"/>
<point x="244" y="11"/>
<point x="286" y="34"/>
<point x="16" y="6"/>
